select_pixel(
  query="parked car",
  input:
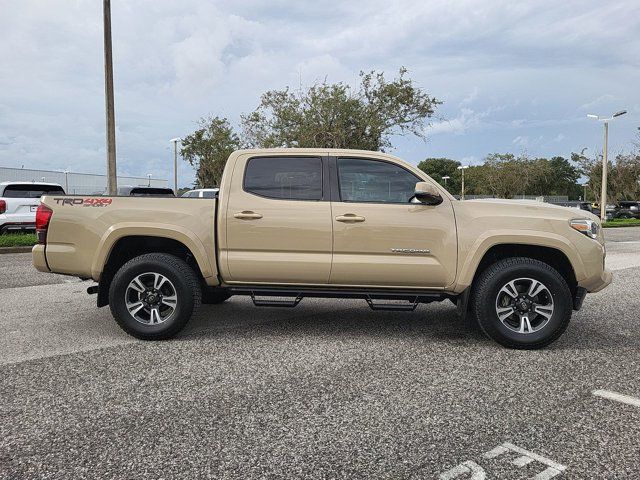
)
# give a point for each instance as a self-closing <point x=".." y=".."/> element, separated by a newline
<point x="19" y="201"/>
<point x="130" y="191"/>
<point x="611" y="210"/>
<point x="629" y="209"/>
<point x="328" y="223"/>
<point x="574" y="204"/>
<point x="202" y="193"/>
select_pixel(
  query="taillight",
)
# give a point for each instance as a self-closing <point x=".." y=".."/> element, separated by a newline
<point x="43" y="216"/>
<point x="3" y="206"/>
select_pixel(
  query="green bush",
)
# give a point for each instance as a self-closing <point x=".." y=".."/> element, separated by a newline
<point x="622" y="222"/>
<point x="17" y="239"/>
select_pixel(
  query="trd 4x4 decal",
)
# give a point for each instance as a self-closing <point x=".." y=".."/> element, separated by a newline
<point x="85" y="202"/>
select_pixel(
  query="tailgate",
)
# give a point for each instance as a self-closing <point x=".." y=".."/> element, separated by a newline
<point x="22" y="206"/>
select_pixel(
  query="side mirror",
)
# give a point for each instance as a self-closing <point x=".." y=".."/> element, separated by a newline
<point x="428" y="194"/>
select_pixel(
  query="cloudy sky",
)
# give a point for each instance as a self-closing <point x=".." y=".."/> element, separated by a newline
<point x="514" y="76"/>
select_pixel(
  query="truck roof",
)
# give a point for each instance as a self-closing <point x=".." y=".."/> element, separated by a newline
<point x="333" y="151"/>
<point x="29" y="182"/>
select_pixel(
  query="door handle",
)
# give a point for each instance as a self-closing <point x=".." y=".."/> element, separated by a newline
<point x="349" y="218"/>
<point x="247" y="215"/>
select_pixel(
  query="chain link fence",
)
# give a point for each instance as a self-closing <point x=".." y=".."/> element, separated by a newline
<point x="75" y="183"/>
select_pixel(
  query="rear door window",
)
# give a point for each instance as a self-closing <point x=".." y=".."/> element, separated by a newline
<point x="31" y="191"/>
<point x="285" y="178"/>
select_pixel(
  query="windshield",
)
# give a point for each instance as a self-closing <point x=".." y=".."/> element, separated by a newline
<point x="30" y="190"/>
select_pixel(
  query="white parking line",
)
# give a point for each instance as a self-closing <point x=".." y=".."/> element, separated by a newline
<point x="618" y="397"/>
<point x="470" y="469"/>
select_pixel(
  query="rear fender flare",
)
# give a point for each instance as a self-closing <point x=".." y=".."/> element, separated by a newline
<point x="180" y="234"/>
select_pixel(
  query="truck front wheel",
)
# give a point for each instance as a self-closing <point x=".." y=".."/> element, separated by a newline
<point x="522" y="303"/>
<point x="153" y="296"/>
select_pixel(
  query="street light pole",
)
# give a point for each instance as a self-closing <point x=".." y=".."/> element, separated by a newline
<point x="605" y="164"/>
<point x="463" y="168"/>
<point x="585" y="191"/>
<point x="605" y="167"/>
<point x="175" y="163"/>
<point x="112" y="180"/>
<point x="445" y="178"/>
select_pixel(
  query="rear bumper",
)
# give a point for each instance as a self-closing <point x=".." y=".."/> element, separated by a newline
<point x="38" y="258"/>
<point x="16" y="226"/>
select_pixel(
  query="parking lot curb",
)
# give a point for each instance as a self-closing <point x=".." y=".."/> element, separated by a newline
<point x="26" y="249"/>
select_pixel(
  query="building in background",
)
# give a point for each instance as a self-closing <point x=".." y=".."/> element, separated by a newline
<point x="75" y="183"/>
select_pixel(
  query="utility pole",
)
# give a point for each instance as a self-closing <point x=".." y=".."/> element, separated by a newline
<point x="175" y="164"/>
<point x="112" y="180"/>
<point x="605" y="164"/>
<point x="463" y="168"/>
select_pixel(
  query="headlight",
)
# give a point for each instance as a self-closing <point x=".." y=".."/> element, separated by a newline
<point x="589" y="227"/>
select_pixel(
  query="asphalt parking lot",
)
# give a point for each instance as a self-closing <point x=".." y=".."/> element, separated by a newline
<point x="329" y="389"/>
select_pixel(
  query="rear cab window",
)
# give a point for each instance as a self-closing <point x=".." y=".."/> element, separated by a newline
<point x="140" y="192"/>
<point x="284" y="178"/>
<point x="29" y="190"/>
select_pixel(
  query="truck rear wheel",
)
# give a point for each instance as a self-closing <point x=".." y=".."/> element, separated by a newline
<point x="522" y="303"/>
<point x="153" y="296"/>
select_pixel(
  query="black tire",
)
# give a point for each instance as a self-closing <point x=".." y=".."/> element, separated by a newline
<point x="214" y="296"/>
<point x="184" y="281"/>
<point x="487" y="289"/>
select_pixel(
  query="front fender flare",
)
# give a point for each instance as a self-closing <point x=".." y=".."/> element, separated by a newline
<point x="473" y="255"/>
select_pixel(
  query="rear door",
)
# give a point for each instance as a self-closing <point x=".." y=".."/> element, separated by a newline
<point x="278" y="221"/>
<point x="380" y="238"/>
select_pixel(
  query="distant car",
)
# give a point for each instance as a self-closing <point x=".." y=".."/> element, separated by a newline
<point x="575" y="204"/>
<point x="19" y="201"/>
<point x="129" y="191"/>
<point x="202" y="193"/>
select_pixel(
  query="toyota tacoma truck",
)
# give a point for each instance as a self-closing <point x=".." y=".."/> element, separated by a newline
<point x="295" y="223"/>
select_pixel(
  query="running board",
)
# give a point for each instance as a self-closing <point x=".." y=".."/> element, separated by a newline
<point x="377" y="299"/>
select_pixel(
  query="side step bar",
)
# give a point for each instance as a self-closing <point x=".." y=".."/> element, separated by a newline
<point x="397" y="307"/>
<point x="258" y="302"/>
<point x="394" y="300"/>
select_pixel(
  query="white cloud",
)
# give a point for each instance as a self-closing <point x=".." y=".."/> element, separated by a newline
<point x="506" y="69"/>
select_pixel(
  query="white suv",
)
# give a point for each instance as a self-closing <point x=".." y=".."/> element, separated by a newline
<point x="202" y="193"/>
<point x="19" y="201"/>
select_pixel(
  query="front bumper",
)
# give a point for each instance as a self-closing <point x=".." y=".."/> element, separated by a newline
<point x="597" y="282"/>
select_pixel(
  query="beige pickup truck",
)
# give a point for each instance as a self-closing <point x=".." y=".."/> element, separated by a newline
<point x="295" y="223"/>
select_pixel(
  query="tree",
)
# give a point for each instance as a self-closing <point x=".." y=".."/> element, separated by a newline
<point x="625" y="177"/>
<point x="437" y="168"/>
<point x="622" y="179"/>
<point x="332" y="116"/>
<point x="208" y="148"/>
<point x="555" y="176"/>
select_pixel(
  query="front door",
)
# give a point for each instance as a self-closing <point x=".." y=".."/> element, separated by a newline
<point x="278" y="221"/>
<point x="380" y="237"/>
